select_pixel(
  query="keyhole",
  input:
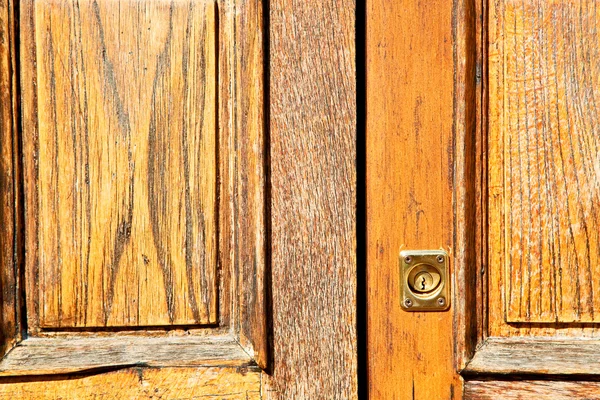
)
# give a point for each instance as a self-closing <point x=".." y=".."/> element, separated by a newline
<point x="425" y="281"/>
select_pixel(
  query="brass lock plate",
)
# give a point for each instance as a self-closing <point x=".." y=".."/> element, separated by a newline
<point x="424" y="276"/>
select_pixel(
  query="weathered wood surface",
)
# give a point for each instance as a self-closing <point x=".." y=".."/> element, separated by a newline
<point x="469" y="168"/>
<point x="524" y="390"/>
<point x="313" y="154"/>
<point x="313" y="199"/>
<point x="536" y="356"/>
<point x="11" y="238"/>
<point x="143" y="383"/>
<point x="120" y="163"/>
<point x="244" y="30"/>
<point x="51" y="356"/>
<point x="410" y="173"/>
<point x="544" y="175"/>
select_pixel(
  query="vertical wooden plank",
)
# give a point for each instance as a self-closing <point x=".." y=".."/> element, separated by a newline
<point x="251" y="179"/>
<point x="469" y="168"/>
<point x="243" y="257"/>
<point x="30" y="144"/>
<point x="10" y="204"/>
<point x="313" y="195"/>
<point x="479" y="269"/>
<point x="410" y="172"/>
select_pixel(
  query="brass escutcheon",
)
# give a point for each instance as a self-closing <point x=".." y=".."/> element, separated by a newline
<point x="424" y="276"/>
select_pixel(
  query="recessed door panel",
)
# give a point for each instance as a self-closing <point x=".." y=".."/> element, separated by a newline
<point x="126" y="160"/>
<point x="544" y="160"/>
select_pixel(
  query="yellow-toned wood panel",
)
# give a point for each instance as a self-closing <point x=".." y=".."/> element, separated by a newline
<point x="124" y="211"/>
<point x="142" y="383"/>
<point x="544" y="161"/>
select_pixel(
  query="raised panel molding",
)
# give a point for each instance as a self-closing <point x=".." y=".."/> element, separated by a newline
<point x="525" y="197"/>
<point x="143" y="179"/>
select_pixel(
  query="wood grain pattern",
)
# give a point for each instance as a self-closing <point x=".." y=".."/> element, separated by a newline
<point x="11" y="238"/>
<point x="124" y="211"/>
<point x="543" y="168"/>
<point x="468" y="174"/>
<point x="525" y="70"/>
<point x="410" y="173"/>
<point x="313" y="199"/>
<point x="143" y="383"/>
<point x="249" y="179"/>
<point x="240" y="162"/>
<point x="52" y="356"/>
<point x="522" y="390"/>
<point x="517" y="356"/>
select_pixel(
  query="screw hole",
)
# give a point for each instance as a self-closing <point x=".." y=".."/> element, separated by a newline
<point x="408" y="259"/>
<point x="440" y="258"/>
<point x="408" y="302"/>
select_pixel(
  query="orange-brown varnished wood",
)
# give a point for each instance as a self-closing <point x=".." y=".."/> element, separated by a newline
<point x="544" y="174"/>
<point x="469" y="202"/>
<point x="410" y="173"/>
<point x="142" y="383"/>
<point x="122" y="216"/>
<point x="10" y="200"/>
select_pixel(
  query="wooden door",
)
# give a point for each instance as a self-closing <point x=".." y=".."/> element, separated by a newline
<point x="159" y="215"/>
<point x="482" y="140"/>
